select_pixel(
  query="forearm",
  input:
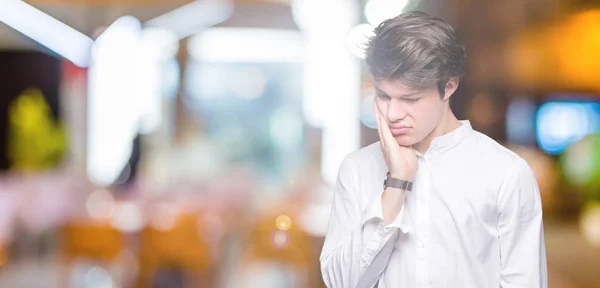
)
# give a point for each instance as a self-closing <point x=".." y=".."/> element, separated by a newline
<point x="354" y="264"/>
<point x="392" y="201"/>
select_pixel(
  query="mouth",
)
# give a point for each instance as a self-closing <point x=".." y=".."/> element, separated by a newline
<point x="399" y="130"/>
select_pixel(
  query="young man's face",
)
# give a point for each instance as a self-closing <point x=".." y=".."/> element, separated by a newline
<point x="411" y="113"/>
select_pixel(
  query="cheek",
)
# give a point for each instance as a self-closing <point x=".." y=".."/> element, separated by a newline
<point x="426" y="113"/>
<point x="382" y="105"/>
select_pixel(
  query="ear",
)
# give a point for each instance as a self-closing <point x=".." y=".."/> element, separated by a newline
<point x="451" y="87"/>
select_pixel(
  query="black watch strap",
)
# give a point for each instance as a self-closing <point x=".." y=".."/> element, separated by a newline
<point x="397" y="183"/>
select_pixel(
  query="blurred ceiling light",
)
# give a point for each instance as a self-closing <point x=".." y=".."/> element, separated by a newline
<point x="331" y="78"/>
<point x="315" y="15"/>
<point x="251" y="45"/>
<point x="159" y="43"/>
<point x="156" y="47"/>
<point x="126" y="83"/>
<point x="359" y="38"/>
<point x="120" y="28"/>
<point x="113" y="117"/>
<point x="378" y="11"/>
<point x="193" y="17"/>
<point x="46" y="30"/>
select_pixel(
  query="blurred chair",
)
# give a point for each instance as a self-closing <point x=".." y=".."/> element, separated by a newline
<point x="281" y="252"/>
<point x="96" y="240"/>
<point x="92" y="241"/>
<point x="179" y="248"/>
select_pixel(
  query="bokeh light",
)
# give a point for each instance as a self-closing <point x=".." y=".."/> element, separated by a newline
<point x="520" y="121"/>
<point x="164" y="216"/>
<point x="280" y="239"/>
<point x="561" y="123"/>
<point x="100" y="204"/>
<point x="98" y="277"/>
<point x="581" y="163"/>
<point x="367" y="117"/>
<point x="283" y="222"/>
<point x="128" y="217"/>
<point x="590" y="223"/>
<point x="311" y="219"/>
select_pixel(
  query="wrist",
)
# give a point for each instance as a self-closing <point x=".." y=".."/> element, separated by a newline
<point x="401" y="176"/>
<point x="398" y="182"/>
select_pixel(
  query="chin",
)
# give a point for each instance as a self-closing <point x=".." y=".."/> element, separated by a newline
<point x="405" y="140"/>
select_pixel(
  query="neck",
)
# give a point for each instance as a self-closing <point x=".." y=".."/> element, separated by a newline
<point x="447" y="124"/>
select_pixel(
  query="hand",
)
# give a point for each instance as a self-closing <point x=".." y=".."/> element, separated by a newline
<point x="401" y="160"/>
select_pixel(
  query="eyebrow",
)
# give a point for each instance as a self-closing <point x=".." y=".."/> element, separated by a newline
<point x="408" y="95"/>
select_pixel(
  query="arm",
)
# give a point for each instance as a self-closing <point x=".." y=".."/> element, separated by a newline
<point x="345" y="261"/>
<point x="521" y="232"/>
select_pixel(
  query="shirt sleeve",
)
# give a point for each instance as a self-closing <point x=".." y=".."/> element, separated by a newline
<point x="345" y="261"/>
<point x="521" y="230"/>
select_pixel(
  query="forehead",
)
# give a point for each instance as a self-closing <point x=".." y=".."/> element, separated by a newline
<point x="399" y="88"/>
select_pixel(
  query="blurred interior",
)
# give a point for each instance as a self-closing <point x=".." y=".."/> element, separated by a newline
<point x="149" y="143"/>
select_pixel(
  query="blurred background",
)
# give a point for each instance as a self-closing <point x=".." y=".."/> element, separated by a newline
<point x="149" y="143"/>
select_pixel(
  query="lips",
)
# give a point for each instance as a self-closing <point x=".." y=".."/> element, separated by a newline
<point x="398" y="130"/>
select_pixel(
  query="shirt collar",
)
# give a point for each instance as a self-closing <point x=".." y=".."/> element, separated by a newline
<point x="444" y="142"/>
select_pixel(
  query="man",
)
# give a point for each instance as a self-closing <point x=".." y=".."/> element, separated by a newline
<point x="469" y="216"/>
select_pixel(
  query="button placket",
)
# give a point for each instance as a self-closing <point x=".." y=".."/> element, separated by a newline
<point x="422" y="235"/>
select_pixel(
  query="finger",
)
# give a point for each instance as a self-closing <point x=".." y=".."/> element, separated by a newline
<point x="386" y="133"/>
<point x="377" y="115"/>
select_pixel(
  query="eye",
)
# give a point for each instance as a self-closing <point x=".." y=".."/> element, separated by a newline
<point x="412" y="100"/>
<point x="383" y="97"/>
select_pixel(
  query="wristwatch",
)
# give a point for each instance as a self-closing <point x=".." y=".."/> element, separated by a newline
<point x="396" y="183"/>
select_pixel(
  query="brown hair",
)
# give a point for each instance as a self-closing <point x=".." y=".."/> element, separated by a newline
<point x="418" y="49"/>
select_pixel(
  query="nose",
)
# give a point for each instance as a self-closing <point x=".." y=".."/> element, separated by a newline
<point x="396" y="110"/>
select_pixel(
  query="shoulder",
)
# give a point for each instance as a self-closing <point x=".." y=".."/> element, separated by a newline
<point x="368" y="153"/>
<point x="368" y="157"/>
<point x="364" y="163"/>
<point x="511" y="169"/>
<point x="483" y="148"/>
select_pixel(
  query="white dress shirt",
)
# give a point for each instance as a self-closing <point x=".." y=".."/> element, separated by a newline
<point x="472" y="220"/>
